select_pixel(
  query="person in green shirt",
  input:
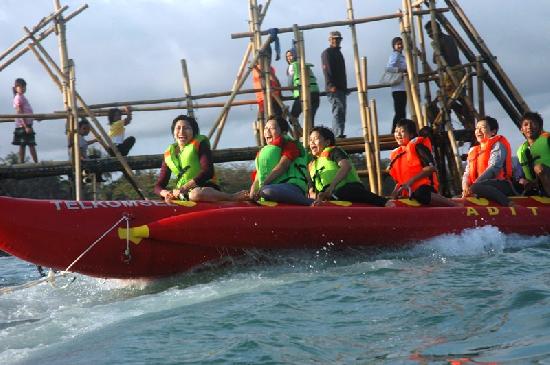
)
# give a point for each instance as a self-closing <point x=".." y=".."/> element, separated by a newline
<point x="534" y="154"/>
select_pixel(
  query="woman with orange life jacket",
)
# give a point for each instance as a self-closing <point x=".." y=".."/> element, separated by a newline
<point x="190" y="160"/>
<point x="413" y="168"/>
<point x="333" y="174"/>
<point x="488" y="173"/>
<point x="281" y="167"/>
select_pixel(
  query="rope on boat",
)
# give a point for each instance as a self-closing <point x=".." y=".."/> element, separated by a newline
<point x="50" y="278"/>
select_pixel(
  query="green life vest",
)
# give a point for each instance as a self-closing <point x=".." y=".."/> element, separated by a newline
<point x="313" y="87"/>
<point x="537" y="153"/>
<point x="323" y="170"/>
<point x="185" y="165"/>
<point x="270" y="155"/>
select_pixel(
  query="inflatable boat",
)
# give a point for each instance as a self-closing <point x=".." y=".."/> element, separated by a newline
<point x="151" y="239"/>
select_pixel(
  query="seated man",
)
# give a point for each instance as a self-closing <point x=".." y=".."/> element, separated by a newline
<point x="534" y="154"/>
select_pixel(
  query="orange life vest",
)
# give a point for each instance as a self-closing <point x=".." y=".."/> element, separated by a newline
<point x="405" y="163"/>
<point x="478" y="159"/>
<point x="257" y="82"/>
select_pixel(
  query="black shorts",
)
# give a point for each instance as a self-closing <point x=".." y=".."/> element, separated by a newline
<point x="22" y="138"/>
<point x="423" y="194"/>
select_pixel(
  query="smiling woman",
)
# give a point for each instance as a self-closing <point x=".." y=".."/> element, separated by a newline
<point x="190" y="160"/>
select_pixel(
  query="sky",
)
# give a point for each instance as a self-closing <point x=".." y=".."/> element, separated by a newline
<point x="131" y="50"/>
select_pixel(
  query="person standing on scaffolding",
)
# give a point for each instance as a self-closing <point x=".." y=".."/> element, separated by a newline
<point x="449" y="53"/>
<point x="258" y="83"/>
<point x="294" y="81"/>
<point x="334" y="69"/>
<point x="396" y="66"/>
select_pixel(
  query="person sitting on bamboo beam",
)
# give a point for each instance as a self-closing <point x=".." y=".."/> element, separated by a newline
<point x="488" y="173"/>
<point x="117" y="129"/>
<point x="190" y="160"/>
<point x="413" y="168"/>
<point x="534" y="154"/>
<point x="281" y="170"/>
<point x="294" y="81"/>
<point x="333" y="174"/>
<point x="258" y="83"/>
<point x="449" y="53"/>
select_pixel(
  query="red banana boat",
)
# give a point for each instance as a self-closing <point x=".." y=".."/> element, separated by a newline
<point x="150" y="239"/>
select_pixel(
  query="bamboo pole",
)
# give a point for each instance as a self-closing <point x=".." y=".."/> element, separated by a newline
<point x="436" y="48"/>
<point x="367" y="129"/>
<point x="377" y="164"/>
<point x="480" y="92"/>
<point x="42" y="36"/>
<point x="361" y="94"/>
<point x="73" y="133"/>
<point x="304" y="85"/>
<point x="41" y="24"/>
<point x="492" y="62"/>
<point x="337" y="23"/>
<point x="187" y="88"/>
<point x="409" y="58"/>
<point x="239" y="76"/>
<point x="425" y="66"/>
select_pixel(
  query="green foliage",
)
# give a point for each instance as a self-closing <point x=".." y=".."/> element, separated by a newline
<point x="234" y="176"/>
<point x="51" y="187"/>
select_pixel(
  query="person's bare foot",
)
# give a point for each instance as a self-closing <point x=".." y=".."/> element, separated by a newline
<point x="240" y="196"/>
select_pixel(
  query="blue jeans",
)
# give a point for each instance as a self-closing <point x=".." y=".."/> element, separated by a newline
<point x="285" y="193"/>
<point x="338" y="102"/>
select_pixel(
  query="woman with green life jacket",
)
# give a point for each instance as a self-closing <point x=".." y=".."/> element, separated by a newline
<point x="281" y="167"/>
<point x="333" y="174"/>
<point x="189" y="160"/>
<point x="534" y="154"/>
<point x="294" y="81"/>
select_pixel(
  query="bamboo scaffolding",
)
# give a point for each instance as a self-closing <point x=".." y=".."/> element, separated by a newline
<point x="239" y="76"/>
<point x="187" y="87"/>
<point x="409" y="58"/>
<point x="102" y="136"/>
<point x="361" y="91"/>
<point x="305" y="95"/>
<point x="442" y="97"/>
<point x="42" y="36"/>
<point x="41" y="24"/>
<point x="365" y="123"/>
<point x="480" y="92"/>
<point x="239" y="85"/>
<point x="376" y="142"/>
<point x="73" y="133"/>
<point x="337" y="23"/>
<point x="425" y="66"/>
<point x="495" y="89"/>
<point x="492" y="62"/>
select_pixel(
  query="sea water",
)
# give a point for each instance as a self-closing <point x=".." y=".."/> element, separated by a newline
<point x="478" y="297"/>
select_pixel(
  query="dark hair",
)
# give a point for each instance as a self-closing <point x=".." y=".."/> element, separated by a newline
<point x="192" y="122"/>
<point x="325" y="133"/>
<point x="83" y="122"/>
<point x="18" y="82"/>
<point x="428" y="26"/>
<point x="408" y="125"/>
<point x="281" y="122"/>
<point x="533" y="117"/>
<point x="426" y="132"/>
<point x="394" y="41"/>
<point x="112" y="115"/>
<point x="491" y="122"/>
